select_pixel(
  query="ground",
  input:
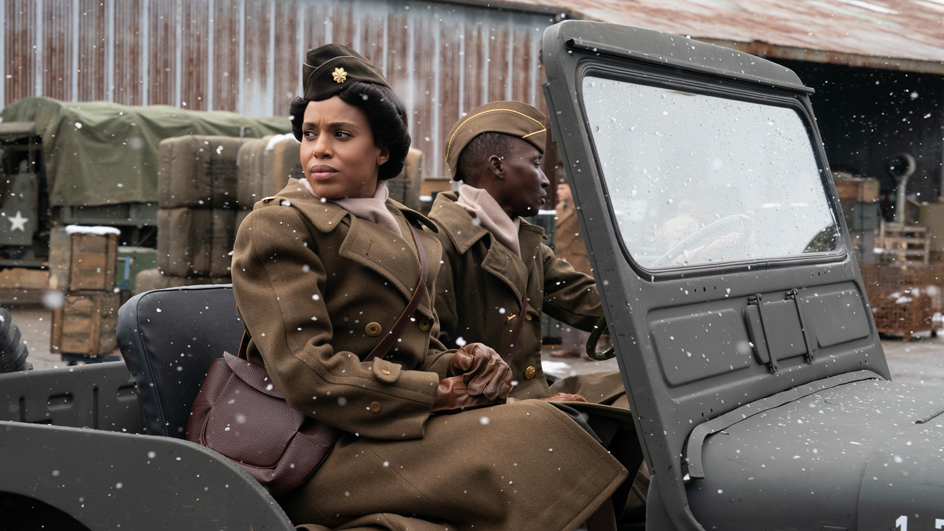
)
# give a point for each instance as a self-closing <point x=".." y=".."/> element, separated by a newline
<point x="920" y="360"/>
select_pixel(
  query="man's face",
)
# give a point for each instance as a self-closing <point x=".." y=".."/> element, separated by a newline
<point x="563" y="193"/>
<point x="523" y="188"/>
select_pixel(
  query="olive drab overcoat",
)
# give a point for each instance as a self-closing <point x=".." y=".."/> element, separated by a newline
<point x="481" y="284"/>
<point x="316" y="288"/>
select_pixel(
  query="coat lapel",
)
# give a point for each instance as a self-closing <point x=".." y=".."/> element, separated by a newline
<point x="368" y="244"/>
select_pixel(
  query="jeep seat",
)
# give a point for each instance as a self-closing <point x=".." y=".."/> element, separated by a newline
<point x="168" y="339"/>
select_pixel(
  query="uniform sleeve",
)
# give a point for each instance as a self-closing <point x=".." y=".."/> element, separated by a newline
<point x="280" y="281"/>
<point x="569" y="295"/>
<point x="446" y="295"/>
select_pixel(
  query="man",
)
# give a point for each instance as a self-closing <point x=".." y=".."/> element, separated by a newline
<point x="570" y="248"/>
<point x="496" y="271"/>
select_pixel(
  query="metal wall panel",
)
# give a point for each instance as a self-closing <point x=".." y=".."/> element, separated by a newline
<point x="245" y="55"/>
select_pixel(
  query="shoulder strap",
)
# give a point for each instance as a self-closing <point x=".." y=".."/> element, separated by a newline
<point x="516" y="332"/>
<point x="393" y="335"/>
<point x="384" y="346"/>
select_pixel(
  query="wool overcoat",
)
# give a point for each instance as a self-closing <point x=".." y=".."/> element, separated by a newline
<point x="482" y="282"/>
<point x="317" y="288"/>
<point x="569" y="240"/>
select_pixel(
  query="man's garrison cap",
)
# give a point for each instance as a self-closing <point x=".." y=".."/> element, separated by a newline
<point x="513" y="118"/>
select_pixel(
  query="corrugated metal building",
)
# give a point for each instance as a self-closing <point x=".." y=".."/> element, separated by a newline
<point x="245" y="55"/>
<point x="446" y="57"/>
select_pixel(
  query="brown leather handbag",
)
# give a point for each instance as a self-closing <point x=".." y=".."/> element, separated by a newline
<point x="240" y="414"/>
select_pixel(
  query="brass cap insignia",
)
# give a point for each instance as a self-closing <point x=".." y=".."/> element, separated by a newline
<point x="339" y="75"/>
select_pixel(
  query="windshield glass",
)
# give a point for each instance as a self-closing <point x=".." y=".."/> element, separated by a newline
<point x="696" y="179"/>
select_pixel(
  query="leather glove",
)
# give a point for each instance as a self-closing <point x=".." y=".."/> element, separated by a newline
<point x="453" y="395"/>
<point x="482" y="370"/>
<point x="559" y="397"/>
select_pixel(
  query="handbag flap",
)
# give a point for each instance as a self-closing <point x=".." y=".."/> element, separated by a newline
<point x="254" y="375"/>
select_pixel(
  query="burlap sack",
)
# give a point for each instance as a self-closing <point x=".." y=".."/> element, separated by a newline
<point x="405" y="187"/>
<point x="198" y="172"/>
<point x="281" y="162"/>
<point x="249" y="173"/>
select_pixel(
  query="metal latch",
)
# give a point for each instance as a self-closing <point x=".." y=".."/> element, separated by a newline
<point x="756" y="329"/>
<point x="804" y="324"/>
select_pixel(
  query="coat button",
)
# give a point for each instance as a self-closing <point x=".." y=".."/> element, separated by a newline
<point x="510" y="318"/>
<point x="529" y="372"/>
<point x="373" y="329"/>
<point x="385" y="372"/>
<point x="424" y="324"/>
<point x="527" y="317"/>
<point x="375" y="407"/>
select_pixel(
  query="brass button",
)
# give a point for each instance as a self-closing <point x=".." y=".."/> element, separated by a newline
<point x="385" y="372"/>
<point x="373" y="329"/>
<point x="510" y="318"/>
<point x="375" y="407"/>
<point x="527" y="317"/>
<point x="529" y="372"/>
<point x="424" y="325"/>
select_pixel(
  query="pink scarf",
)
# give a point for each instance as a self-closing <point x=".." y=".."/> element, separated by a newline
<point x="489" y="213"/>
<point x="372" y="209"/>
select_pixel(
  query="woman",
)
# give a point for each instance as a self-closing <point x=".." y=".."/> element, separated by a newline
<point x="321" y="272"/>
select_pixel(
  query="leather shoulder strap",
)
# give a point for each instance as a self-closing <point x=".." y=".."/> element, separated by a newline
<point x="393" y="335"/>
<point x="390" y="339"/>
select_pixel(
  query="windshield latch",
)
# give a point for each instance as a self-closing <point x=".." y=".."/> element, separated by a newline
<point x="804" y="323"/>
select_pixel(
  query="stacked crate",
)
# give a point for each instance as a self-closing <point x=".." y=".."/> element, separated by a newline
<point x="903" y="245"/>
<point x="904" y="299"/>
<point x="196" y="221"/>
<point x="859" y="199"/>
<point x="82" y="262"/>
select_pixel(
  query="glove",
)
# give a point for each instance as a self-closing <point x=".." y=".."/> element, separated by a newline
<point x="482" y="370"/>
<point x="453" y="395"/>
<point x="559" y="397"/>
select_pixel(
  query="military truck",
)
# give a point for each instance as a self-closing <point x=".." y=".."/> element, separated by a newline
<point x="92" y="163"/>
<point x="761" y="393"/>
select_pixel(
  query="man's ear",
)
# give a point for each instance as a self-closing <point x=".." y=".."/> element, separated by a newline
<point x="384" y="155"/>
<point x="495" y="165"/>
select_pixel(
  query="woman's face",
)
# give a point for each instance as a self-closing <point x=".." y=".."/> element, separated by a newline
<point x="338" y="152"/>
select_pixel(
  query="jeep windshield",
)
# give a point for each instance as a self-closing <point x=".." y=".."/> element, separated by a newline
<point x="696" y="179"/>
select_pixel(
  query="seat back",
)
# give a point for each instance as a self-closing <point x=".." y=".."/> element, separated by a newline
<point x="168" y="339"/>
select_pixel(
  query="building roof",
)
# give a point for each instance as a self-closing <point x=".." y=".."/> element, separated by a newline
<point x="894" y="34"/>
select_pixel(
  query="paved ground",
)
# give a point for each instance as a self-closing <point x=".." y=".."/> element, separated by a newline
<point x="920" y="360"/>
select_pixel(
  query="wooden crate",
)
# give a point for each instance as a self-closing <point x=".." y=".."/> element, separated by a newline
<point x="856" y="189"/>
<point x="85" y="324"/>
<point x="20" y="277"/>
<point x="903" y="244"/>
<point x="80" y="261"/>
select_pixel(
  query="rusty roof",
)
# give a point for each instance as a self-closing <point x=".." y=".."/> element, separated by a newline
<point x="895" y="34"/>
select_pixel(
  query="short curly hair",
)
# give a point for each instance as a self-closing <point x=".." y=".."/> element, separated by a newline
<point x="385" y="113"/>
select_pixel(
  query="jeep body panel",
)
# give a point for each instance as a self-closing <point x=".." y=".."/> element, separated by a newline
<point x="710" y="343"/>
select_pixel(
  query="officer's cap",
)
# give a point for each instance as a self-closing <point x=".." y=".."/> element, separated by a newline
<point x="331" y="68"/>
<point x="512" y="118"/>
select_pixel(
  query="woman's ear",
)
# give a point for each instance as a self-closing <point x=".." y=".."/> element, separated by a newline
<point x="496" y="167"/>
<point x="384" y="156"/>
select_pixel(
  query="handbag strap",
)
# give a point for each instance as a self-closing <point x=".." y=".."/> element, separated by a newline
<point x="388" y="341"/>
<point x="516" y="332"/>
<point x="393" y="335"/>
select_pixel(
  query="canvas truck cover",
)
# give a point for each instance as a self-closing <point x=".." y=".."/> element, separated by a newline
<point x="100" y="153"/>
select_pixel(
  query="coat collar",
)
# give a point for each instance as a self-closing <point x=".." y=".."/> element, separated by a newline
<point x="326" y="215"/>
<point x="369" y="244"/>
<point x="499" y="261"/>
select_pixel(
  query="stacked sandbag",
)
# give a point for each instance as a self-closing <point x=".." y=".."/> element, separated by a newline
<point x="405" y="187"/>
<point x="197" y="196"/>
<point x="265" y="166"/>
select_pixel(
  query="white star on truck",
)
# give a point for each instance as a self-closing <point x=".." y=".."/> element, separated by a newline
<point x="18" y="221"/>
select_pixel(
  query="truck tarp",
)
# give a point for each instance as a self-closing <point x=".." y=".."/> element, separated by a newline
<point x="100" y="153"/>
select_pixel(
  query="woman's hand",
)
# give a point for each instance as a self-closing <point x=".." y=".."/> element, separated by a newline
<point x="482" y="370"/>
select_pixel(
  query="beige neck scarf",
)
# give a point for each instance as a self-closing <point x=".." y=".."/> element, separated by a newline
<point x="372" y="209"/>
<point x="489" y="213"/>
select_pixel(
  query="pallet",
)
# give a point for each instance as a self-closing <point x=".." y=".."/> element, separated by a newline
<point x="903" y="245"/>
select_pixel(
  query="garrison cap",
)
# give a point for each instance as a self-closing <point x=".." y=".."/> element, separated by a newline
<point x="331" y="68"/>
<point x="513" y="118"/>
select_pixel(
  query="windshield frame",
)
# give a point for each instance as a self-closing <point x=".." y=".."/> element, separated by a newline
<point x="654" y="76"/>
